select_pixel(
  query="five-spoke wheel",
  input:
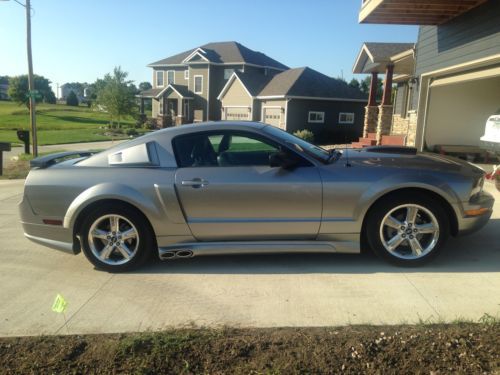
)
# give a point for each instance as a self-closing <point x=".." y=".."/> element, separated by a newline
<point x="116" y="238"/>
<point x="407" y="230"/>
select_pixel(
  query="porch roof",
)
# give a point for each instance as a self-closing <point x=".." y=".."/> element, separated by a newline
<point x="374" y="57"/>
<point x="181" y="91"/>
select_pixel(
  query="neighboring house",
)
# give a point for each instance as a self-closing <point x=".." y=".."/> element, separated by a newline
<point x="296" y="99"/>
<point x="66" y="88"/>
<point x="455" y="83"/>
<point x="229" y="81"/>
<point x="4" y="89"/>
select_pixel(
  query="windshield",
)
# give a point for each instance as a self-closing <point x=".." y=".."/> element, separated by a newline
<point x="299" y="144"/>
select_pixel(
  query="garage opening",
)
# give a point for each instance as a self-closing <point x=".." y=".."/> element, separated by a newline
<point x="237" y="113"/>
<point x="459" y="107"/>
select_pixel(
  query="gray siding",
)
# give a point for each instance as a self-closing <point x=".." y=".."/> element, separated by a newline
<point x="400" y="98"/>
<point x="471" y="36"/>
<point x="331" y="132"/>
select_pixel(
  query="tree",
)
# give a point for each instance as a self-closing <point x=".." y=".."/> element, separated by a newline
<point x="18" y="89"/>
<point x="365" y="87"/>
<point x="355" y="84"/>
<point x="72" y="99"/>
<point x="116" y="95"/>
<point x="143" y="86"/>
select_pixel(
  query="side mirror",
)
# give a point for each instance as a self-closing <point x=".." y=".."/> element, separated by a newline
<point x="283" y="160"/>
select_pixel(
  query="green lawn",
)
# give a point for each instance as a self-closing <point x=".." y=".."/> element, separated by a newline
<point x="57" y="123"/>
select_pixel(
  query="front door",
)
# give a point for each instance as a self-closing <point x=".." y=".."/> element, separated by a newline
<point x="228" y="190"/>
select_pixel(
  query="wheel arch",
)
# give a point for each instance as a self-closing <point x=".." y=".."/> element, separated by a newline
<point x="450" y="212"/>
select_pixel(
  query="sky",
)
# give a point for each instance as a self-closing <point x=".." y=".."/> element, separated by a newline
<point x="80" y="41"/>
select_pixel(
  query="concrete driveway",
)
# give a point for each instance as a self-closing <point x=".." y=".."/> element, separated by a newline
<point x="256" y="291"/>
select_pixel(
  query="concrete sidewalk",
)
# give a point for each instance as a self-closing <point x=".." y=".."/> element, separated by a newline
<point x="255" y="291"/>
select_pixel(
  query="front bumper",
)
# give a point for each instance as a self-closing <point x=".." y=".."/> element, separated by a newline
<point x="467" y="223"/>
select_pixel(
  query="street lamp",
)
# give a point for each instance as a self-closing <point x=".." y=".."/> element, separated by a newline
<point x="31" y="83"/>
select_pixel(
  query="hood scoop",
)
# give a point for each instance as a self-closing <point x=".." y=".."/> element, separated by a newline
<point x="391" y="150"/>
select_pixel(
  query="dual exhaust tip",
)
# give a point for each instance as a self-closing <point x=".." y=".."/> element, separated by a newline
<point x="176" y="254"/>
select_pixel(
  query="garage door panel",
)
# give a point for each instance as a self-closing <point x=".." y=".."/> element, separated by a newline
<point x="237" y="114"/>
<point x="272" y="116"/>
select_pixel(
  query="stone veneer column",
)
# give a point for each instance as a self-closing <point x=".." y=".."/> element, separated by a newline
<point x="371" y="120"/>
<point x="384" y="122"/>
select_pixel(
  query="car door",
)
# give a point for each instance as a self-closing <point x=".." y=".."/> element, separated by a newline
<point x="228" y="190"/>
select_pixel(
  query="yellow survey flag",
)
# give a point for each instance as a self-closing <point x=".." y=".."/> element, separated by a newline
<point x="60" y="304"/>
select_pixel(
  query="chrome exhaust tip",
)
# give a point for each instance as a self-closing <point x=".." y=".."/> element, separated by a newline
<point x="167" y="255"/>
<point x="184" y="254"/>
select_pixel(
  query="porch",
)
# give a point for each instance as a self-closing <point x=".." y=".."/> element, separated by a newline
<point x="171" y="105"/>
<point x="396" y="61"/>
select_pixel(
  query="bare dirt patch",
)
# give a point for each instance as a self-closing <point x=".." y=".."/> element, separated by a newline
<point x="429" y="349"/>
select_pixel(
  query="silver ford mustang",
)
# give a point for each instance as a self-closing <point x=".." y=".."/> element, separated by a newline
<point x="242" y="187"/>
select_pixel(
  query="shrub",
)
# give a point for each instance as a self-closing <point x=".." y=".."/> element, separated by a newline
<point x="141" y="120"/>
<point x="151" y="124"/>
<point x="131" y="132"/>
<point x="305" y="134"/>
<point x="72" y="99"/>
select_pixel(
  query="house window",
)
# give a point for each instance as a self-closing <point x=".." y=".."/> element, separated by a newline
<point x="228" y="73"/>
<point x="159" y="78"/>
<point x="186" y="74"/>
<point x="170" y="77"/>
<point x="198" y="84"/>
<point x="316" y="117"/>
<point x="346" y="118"/>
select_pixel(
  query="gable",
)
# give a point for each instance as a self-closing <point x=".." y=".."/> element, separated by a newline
<point x="236" y="94"/>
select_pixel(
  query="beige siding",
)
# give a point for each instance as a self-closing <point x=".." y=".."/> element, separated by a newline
<point x="199" y="104"/>
<point x="236" y="95"/>
<point x="156" y="108"/>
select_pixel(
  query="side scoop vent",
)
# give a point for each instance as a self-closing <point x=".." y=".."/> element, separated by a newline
<point x="392" y="150"/>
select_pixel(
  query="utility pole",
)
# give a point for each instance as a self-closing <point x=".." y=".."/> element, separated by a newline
<point x="31" y="83"/>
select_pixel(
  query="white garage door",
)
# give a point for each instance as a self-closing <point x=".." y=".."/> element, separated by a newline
<point x="272" y="116"/>
<point x="237" y="113"/>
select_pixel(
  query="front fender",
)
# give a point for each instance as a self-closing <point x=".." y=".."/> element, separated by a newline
<point x="402" y="181"/>
<point x="110" y="191"/>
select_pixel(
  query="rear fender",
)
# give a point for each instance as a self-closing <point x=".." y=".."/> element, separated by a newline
<point x="111" y="191"/>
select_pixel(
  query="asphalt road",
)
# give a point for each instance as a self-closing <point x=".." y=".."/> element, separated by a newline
<point x="244" y="291"/>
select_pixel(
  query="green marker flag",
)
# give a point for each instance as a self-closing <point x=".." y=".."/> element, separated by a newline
<point x="60" y="304"/>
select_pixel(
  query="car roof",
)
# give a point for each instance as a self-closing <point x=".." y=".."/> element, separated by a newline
<point x="211" y="125"/>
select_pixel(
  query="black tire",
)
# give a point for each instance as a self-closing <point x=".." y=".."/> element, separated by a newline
<point x="378" y="212"/>
<point x="145" y="239"/>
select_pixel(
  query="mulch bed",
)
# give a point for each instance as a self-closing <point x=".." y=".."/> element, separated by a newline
<point x="426" y="349"/>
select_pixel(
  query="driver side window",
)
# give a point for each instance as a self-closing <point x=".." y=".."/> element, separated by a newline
<point x="224" y="149"/>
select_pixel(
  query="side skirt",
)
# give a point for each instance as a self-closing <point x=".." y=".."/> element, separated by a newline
<point x="187" y="250"/>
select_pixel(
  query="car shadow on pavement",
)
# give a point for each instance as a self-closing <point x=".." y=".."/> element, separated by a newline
<point x="478" y="252"/>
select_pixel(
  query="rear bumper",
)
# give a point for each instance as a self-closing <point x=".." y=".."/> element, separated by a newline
<point x="53" y="236"/>
<point x="469" y="224"/>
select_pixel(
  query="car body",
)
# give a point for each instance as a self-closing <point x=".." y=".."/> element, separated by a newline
<point x="243" y="187"/>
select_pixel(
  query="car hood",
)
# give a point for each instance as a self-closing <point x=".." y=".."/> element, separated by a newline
<point x="418" y="160"/>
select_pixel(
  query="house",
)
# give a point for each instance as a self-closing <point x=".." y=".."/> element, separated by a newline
<point x="78" y="88"/>
<point x="186" y="85"/>
<point x="454" y="85"/>
<point x="296" y="99"/>
<point x="229" y="81"/>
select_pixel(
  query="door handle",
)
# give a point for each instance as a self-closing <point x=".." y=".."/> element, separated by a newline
<point x="195" y="182"/>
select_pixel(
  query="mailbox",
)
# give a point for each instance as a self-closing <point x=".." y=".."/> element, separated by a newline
<point x="4" y="146"/>
<point x="24" y="135"/>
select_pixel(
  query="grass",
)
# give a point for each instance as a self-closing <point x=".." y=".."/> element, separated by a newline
<point x="58" y="124"/>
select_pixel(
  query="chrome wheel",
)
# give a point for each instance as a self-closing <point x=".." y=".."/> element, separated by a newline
<point x="113" y="239"/>
<point x="409" y="231"/>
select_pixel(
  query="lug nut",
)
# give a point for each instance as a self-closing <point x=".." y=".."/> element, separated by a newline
<point x="415" y="230"/>
<point x="409" y="224"/>
<point x="403" y="235"/>
<point x="411" y="237"/>
<point x="403" y="227"/>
